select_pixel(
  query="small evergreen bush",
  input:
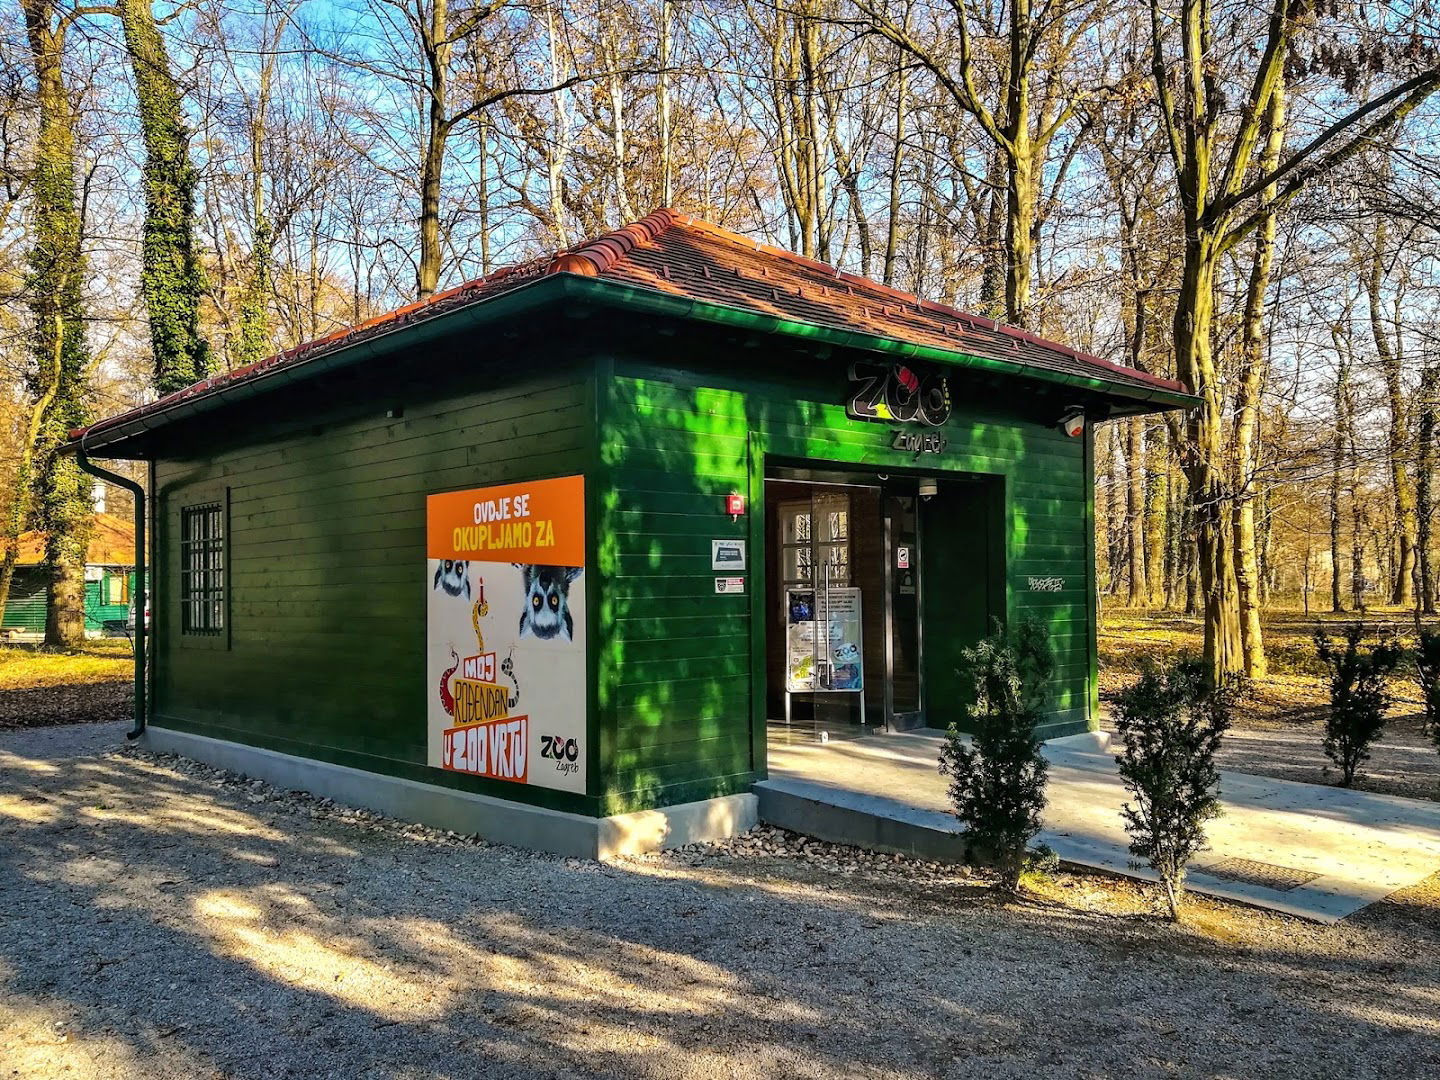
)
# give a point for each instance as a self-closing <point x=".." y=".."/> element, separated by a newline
<point x="1171" y="723"/>
<point x="1359" y="696"/>
<point x="997" y="778"/>
<point x="1427" y="671"/>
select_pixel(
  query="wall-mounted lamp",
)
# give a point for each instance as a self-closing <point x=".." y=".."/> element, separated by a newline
<point x="929" y="489"/>
<point x="1072" y="421"/>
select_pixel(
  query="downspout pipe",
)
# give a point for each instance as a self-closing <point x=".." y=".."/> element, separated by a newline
<point x="139" y="593"/>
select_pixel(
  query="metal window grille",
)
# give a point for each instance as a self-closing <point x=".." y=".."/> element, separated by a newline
<point x="202" y="569"/>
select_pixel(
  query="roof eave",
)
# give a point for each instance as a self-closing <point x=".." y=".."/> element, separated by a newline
<point x="1133" y="398"/>
<point x="517" y="301"/>
<point x="1129" y="398"/>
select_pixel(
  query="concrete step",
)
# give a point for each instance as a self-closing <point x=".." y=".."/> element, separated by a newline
<point x="867" y="821"/>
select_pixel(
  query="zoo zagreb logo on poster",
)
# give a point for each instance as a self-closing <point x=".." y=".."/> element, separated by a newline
<point x="505" y="630"/>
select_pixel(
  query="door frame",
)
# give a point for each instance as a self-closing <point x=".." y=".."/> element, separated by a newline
<point x="916" y="563"/>
<point x="764" y="467"/>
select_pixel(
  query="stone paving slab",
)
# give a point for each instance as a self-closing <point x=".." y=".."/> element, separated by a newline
<point x="1316" y="852"/>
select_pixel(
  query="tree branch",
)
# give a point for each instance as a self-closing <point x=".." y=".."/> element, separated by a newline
<point x="1404" y="98"/>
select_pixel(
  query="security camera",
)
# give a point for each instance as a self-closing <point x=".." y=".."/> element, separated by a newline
<point x="1072" y="422"/>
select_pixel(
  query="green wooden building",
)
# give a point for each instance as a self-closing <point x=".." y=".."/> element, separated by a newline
<point x="109" y="580"/>
<point x="547" y="556"/>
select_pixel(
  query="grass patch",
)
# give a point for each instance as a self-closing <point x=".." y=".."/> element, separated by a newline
<point x="1295" y="689"/>
<point x="23" y="667"/>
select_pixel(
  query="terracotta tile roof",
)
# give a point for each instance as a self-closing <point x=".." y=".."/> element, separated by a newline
<point x="688" y="257"/>
<point x="672" y="253"/>
<point x="112" y="543"/>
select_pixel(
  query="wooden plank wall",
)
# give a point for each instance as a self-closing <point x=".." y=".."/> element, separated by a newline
<point x="324" y="654"/>
<point x="680" y="692"/>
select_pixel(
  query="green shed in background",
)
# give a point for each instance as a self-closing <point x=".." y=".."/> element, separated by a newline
<point x="780" y="498"/>
<point x="109" y="581"/>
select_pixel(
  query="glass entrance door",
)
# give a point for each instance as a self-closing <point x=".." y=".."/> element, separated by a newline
<point x="904" y="702"/>
<point x="842" y="620"/>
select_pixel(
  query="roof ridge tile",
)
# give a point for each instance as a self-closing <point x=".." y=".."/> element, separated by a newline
<point x="594" y="258"/>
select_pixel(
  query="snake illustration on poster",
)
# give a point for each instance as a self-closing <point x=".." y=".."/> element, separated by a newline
<point x="505" y="648"/>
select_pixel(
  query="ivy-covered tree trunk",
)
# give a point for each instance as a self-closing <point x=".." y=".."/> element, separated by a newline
<point x="171" y="278"/>
<point x="47" y="381"/>
<point x="53" y="286"/>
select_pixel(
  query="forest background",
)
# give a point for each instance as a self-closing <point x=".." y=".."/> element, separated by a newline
<point x="1244" y="194"/>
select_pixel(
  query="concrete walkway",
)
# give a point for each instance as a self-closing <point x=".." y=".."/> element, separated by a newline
<point x="1320" y="853"/>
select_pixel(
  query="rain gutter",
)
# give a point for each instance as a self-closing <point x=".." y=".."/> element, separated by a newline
<point x="138" y="593"/>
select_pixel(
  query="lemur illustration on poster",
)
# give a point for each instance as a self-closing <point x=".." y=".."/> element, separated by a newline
<point x="505" y="650"/>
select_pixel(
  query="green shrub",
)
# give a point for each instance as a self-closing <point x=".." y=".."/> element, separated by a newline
<point x="1427" y="673"/>
<point x="1170" y="724"/>
<point x="1359" y="696"/>
<point x="997" y="778"/>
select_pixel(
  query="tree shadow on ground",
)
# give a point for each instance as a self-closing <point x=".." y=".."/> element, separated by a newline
<point x="175" y="927"/>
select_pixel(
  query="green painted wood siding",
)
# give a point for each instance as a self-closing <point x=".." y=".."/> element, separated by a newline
<point x="28" y="604"/>
<point x="26" y="607"/>
<point x="680" y="678"/>
<point x="102" y="615"/>
<point x="324" y="651"/>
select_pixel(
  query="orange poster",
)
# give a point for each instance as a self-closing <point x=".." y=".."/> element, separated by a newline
<point x="506" y="674"/>
<point x="542" y="521"/>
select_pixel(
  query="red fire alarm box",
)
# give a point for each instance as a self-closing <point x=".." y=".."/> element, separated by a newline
<point x="734" y="505"/>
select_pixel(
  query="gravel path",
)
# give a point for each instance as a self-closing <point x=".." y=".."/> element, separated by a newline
<point x="160" y="919"/>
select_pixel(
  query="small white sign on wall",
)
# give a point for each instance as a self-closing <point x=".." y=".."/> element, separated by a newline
<point x="727" y="554"/>
<point x="729" y="584"/>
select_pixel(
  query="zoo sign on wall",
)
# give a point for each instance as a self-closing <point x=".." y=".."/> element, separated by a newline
<point x="505" y="649"/>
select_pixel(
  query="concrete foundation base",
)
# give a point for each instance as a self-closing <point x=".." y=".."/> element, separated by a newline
<point x="499" y="820"/>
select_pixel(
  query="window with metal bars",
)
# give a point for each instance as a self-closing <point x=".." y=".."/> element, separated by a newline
<point x="202" y="569"/>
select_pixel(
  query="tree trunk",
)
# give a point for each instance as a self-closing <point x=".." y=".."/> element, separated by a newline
<point x="1114" y="515"/>
<point x="1203" y="460"/>
<point x="1247" y="404"/>
<point x="1157" y="498"/>
<point x="1402" y="584"/>
<point x="54" y="286"/>
<point x="20" y="499"/>
<point x="1135" y="511"/>
<point x="254" y="339"/>
<point x="897" y="160"/>
<point x="1022" y="193"/>
<point x="436" y="47"/>
<point x="558" y="151"/>
<point x="1177" y="520"/>
<point x="991" y="212"/>
<point x="1172" y="896"/>
<point x="171" y="279"/>
<point x="1357" y="512"/>
<point x="427" y="272"/>
<point x="616" y="92"/>
<point x="662" y="104"/>
<point x="1266" y="533"/>
<point x="1425" y="468"/>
